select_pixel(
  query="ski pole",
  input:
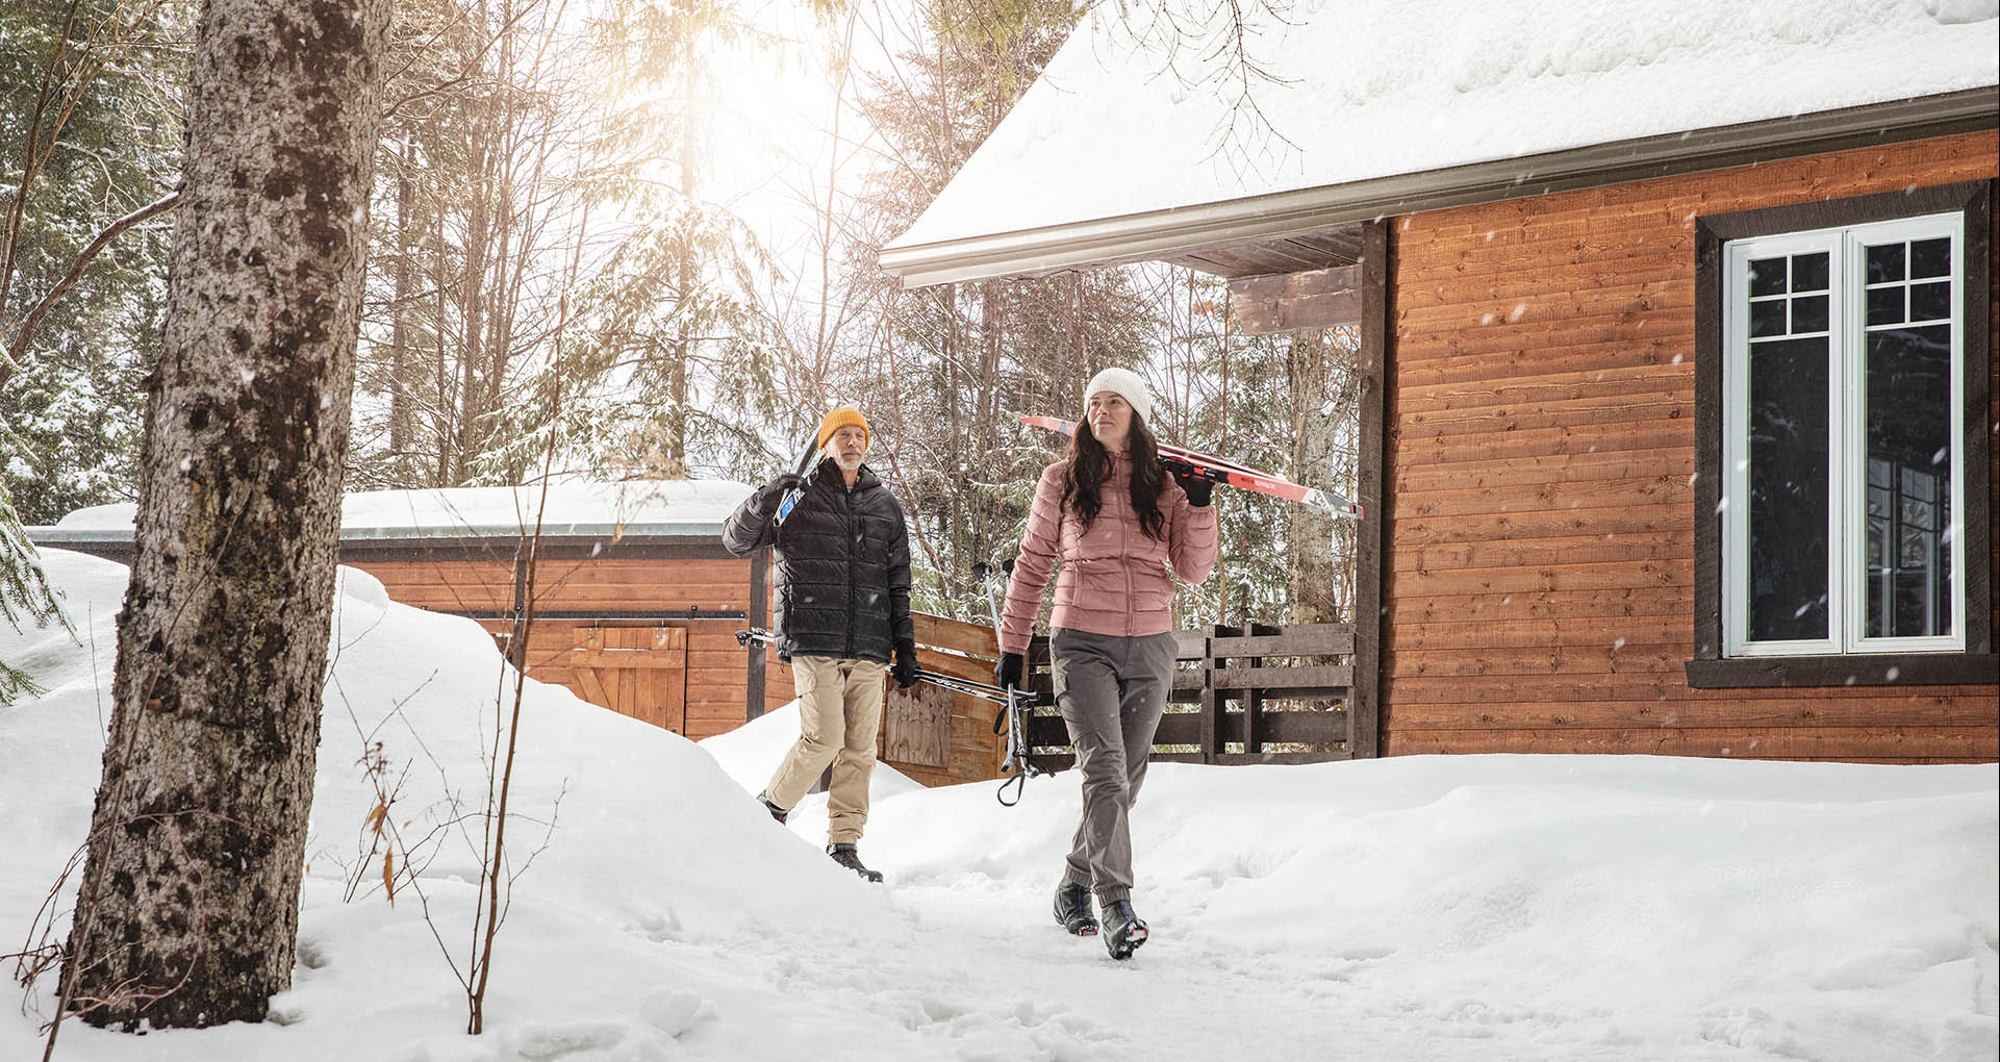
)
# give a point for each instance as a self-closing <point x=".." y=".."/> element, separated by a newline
<point x="968" y="687"/>
<point x="1020" y="706"/>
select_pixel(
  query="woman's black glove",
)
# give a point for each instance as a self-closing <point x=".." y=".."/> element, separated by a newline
<point x="905" y="667"/>
<point x="1200" y="489"/>
<point x="1009" y="671"/>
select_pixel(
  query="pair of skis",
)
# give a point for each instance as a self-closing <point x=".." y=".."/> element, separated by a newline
<point x="1222" y="470"/>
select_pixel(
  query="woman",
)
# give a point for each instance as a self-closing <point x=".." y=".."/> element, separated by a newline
<point x="1117" y="522"/>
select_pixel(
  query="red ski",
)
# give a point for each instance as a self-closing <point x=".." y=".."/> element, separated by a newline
<point x="1222" y="470"/>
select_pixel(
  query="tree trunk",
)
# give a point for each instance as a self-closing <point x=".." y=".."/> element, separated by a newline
<point x="188" y="910"/>
<point x="402" y="360"/>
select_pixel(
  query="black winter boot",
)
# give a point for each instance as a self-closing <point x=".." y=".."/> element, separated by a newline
<point x="776" y="811"/>
<point x="1123" y="930"/>
<point x="1073" y="910"/>
<point x="845" y="856"/>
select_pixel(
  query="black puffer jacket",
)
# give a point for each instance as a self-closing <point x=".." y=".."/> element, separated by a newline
<point x="843" y="565"/>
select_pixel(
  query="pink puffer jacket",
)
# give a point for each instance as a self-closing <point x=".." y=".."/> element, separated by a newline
<point x="1114" y="578"/>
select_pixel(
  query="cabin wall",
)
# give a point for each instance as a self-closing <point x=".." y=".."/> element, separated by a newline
<point x="716" y="681"/>
<point x="1540" y="447"/>
<point x="712" y="666"/>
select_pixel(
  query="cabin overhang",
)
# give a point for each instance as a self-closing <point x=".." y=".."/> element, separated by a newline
<point x="1319" y="228"/>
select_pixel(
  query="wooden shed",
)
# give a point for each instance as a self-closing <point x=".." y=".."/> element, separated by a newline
<point x="1680" y="397"/>
<point x="636" y="604"/>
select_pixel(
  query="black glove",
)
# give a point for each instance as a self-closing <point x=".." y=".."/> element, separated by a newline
<point x="1009" y="671"/>
<point x="1199" y="488"/>
<point x="905" y="667"/>
<point x="773" y="494"/>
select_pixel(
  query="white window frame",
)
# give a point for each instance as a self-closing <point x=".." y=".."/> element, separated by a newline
<point x="1847" y="516"/>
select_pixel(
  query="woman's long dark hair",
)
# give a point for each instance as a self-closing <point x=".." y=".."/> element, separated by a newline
<point x="1090" y="466"/>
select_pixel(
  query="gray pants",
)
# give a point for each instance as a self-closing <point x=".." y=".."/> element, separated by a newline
<point x="1112" y="692"/>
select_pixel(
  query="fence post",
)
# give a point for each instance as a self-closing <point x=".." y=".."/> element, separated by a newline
<point x="1253" y="699"/>
<point x="1211" y="699"/>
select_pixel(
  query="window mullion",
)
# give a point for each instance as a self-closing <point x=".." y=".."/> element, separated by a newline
<point x="1849" y="487"/>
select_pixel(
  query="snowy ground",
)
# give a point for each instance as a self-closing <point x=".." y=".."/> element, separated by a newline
<point x="1407" y="910"/>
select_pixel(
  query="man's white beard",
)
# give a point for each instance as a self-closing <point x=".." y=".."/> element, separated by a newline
<point x="847" y="465"/>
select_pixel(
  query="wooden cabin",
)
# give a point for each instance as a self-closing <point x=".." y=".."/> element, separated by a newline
<point x="636" y="604"/>
<point x="1680" y="391"/>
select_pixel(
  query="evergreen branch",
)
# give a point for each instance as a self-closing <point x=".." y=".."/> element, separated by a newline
<point x="17" y="345"/>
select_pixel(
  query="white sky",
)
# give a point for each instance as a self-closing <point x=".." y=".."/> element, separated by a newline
<point x="1419" y="909"/>
<point x="1367" y="88"/>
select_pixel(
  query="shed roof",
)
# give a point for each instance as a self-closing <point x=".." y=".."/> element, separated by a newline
<point x="1119" y="151"/>
<point x="666" y="508"/>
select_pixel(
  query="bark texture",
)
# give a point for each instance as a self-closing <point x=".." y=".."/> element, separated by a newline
<point x="188" y="910"/>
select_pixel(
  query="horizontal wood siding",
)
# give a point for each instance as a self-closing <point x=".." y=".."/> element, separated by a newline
<point x="717" y="669"/>
<point x="1539" y="591"/>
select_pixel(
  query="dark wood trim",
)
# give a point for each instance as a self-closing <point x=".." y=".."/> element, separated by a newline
<point x="501" y="548"/>
<point x="1371" y="563"/>
<point x="1708" y="358"/>
<point x="1901" y="669"/>
<point x="1979" y="485"/>
<point x="1709" y="669"/>
<point x="599" y="615"/>
<point x="1854" y="210"/>
<point x="1288" y="302"/>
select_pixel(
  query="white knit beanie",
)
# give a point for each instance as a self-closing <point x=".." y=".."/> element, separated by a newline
<point x="1127" y="385"/>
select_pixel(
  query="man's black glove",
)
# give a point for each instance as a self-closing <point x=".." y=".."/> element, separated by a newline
<point x="905" y="667"/>
<point x="1200" y="489"/>
<point x="1009" y="671"/>
<point x="773" y="494"/>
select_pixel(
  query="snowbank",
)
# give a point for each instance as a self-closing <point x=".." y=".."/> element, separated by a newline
<point x="1404" y="910"/>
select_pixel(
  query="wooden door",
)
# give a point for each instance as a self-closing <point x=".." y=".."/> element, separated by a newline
<point x="635" y="671"/>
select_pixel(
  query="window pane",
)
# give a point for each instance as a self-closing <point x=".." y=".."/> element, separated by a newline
<point x="1885" y="263"/>
<point x="1767" y="318"/>
<point x="1930" y="258"/>
<point x="1809" y="314"/>
<point x="1767" y="276"/>
<point x="1930" y="302"/>
<point x="1885" y="306"/>
<point x="1809" y="272"/>
<point x="1788" y="489"/>
<point x="1909" y="482"/>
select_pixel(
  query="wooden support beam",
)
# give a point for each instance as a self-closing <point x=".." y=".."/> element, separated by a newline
<point x="1288" y="302"/>
<point x="1372" y="560"/>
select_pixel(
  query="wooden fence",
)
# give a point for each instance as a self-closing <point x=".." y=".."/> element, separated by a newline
<point x="1263" y="695"/>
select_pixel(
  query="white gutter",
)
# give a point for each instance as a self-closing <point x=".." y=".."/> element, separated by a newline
<point x="1163" y="233"/>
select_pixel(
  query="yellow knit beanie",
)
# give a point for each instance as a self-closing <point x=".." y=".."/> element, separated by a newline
<point x="838" y="419"/>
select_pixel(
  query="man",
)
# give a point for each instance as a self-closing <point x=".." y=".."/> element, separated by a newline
<point x="842" y="613"/>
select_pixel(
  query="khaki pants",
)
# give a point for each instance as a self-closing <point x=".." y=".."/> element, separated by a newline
<point x="1112" y="691"/>
<point x="840" y="710"/>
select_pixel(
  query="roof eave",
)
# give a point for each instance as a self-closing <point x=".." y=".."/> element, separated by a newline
<point x="1155" y="234"/>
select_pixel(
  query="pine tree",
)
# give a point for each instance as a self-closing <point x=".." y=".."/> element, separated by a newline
<point x="188" y="906"/>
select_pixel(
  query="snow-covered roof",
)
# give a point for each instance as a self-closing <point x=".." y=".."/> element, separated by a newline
<point x="644" y="507"/>
<point x="1128" y="117"/>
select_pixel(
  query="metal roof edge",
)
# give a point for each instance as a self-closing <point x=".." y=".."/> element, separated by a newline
<point x="51" y="535"/>
<point x="1138" y="237"/>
